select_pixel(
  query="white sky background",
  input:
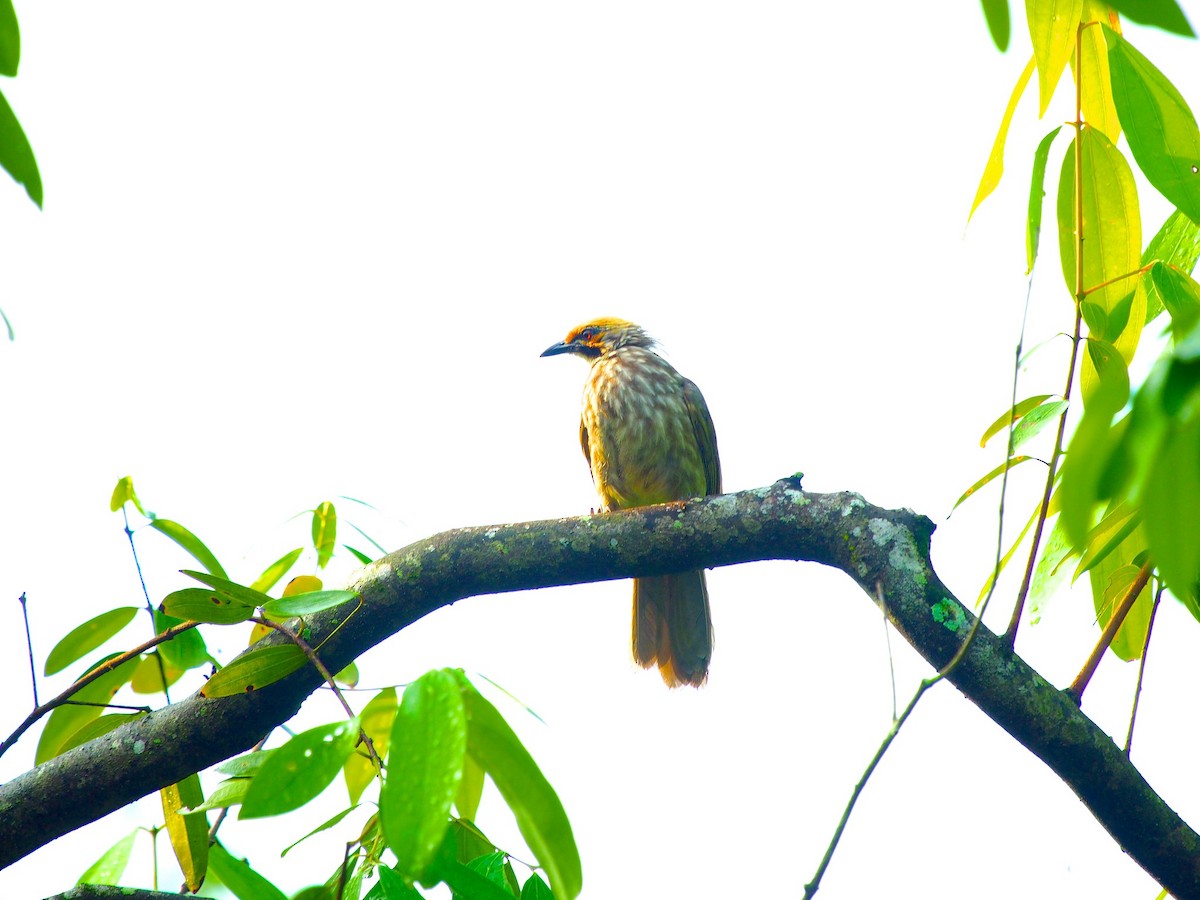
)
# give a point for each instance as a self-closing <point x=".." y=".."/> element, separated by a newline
<point x="297" y="251"/>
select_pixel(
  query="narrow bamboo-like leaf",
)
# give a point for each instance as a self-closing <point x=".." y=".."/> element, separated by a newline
<point x="1159" y="125"/>
<point x="1172" y="496"/>
<point x="536" y="889"/>
<point x="1052" y="25"/>
<point x="241" y="880"/>
<point x="1116" y="525"/>
<point x="299" y="770"/>
<point x="148" y="679"/>
<point x="66" y="720"/>
<point x="999" y="22"/>
<point x="1085" y="462"/>
<point x="205" y="605"/>
<point x="1012" y="415"/>
<point x="392" y="887"/>
<point x="370" y="540"/>
<point x="230" y="792"/>
<point x="254" y="670"/>
<point x="994" y="168"/>
<point x="307" y="603"/>
<point x="1050" y="570"/>
<point x="359" y="555"/>
<point x="1096" y="90"/>
<point x="425" y="763"/>
<point x="540" y="815"/>
<point x="109" y="868"/>
<point x="87" y="637"/>
<point x="276" y="570"/>
<point x="189" y="542"/>
<point x="986" y="479"/>
<point x="1008" y="555"/>
<point x="124" y="492"/>
<point x="1164" y="14"/>
<point x="234" y="591"/>
<point x="376" y="719"/>
<point x="16" y="156"/>
<point x="97" y="727"/>
<point x="1035" y="420"/>
<point x="1037" y="193"/>
<point x="1109" y="388"/>
<point x="188" y="831"/>
<point x="186" y="650"/>
<point x="10" y="39"/>
<point x="324" y="826"/>
<point x="324" y="532"/>
<point x="470" y="789"/>
<point x="1107" y="578"/>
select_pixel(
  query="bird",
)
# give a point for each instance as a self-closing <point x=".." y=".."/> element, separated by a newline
<point x="648" y="438"/>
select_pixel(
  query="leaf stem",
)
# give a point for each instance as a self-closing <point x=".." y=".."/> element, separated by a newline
<point x="1079" y="685"/>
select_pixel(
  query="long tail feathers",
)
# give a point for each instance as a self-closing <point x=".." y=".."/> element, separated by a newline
<point x="672" y="627"/>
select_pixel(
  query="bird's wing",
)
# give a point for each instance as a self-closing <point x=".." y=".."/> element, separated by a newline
<point x="583" y="442"/>
<point x="706" y="436"/>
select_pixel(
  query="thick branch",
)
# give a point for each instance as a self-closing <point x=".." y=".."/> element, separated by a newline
<point x="879" y="549"/>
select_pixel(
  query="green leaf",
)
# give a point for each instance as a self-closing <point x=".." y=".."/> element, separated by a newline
<point x="539" y="813"/>
<point x="1035" y="420"/>
<point x="535" y="888"/>
<point x="1109" y="388"/>
<point x="1110" y="578"/>
<point x="990" y="476"/>
<point x="16" y="155"/>
<point x="1176" y="291"/>
<point x="1110" y="532"/>
<point x="1177" y="243"/>
<point x="148" y="679"/>
<point x="241" y="880"/>
<point x="1164" y="14"/>
<point x="1095" y="87"/>
<point x="276" y="570"/>
<point x="470" y="790"/>
<point x="1007" y="557"/>
<point x="188" y="831"/>
<point x="10" y="39"/>
<point x="230" y="792"/>
<point x="1159" y="125"/>
<point x="1050" y="570"/>
<point x="1012" y="415"/>
<point x="64" y="721"/>
<point x="1087" y="456"/>
<point x="307" y="603"/>
<point x="496" y="869"/>
<point x="348" y="677"/>
<point x="184" y="651"/>
<point x="87" y="637"/>
<point x="1052" y="25"/>
<point x="1172" y="496"/>
<point x="425" y="763"/>
<point x="998" y="22"/>
<point x="109" y="868"/>
<point x="392" y="887"/>
<point x="123" y="493"/>
<point x="97" y="727"/>
<point x="190" y="543"/>
<point x="1037" y="192"/>
<point x="245" y="765"/>
<point x="359" y="555"/>
<point x="234" y="591"/>
<point x="299" y="770"/>
<point x="204" y="605"/>
<point x="994" y="167"/>
<point x="324" y="532"/>
<point x="254" y="670"/>
<point x="469" y="841"/>
<point x="376" y="719"/>
<point x="324" y="826"/>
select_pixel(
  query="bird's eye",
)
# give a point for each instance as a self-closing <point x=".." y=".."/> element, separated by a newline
<point x="587" y="335"/>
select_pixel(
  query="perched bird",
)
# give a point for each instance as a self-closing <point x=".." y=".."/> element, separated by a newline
<point x="648" y="438"/>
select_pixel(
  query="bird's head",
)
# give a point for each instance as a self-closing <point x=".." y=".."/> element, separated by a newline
<point x="598" y="337"/>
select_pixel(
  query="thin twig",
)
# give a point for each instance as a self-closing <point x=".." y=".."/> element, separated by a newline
<point x="29" y="645"/>
<point x="325" y="673"/>
<point x="102" y="669"/>
<point x="1137" y="693"/>
<point x="1079" y="685"/>
<point x="137" y="563"/>
<point x="887" y="637"/>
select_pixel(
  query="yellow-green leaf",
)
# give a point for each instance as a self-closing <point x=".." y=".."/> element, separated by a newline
<point x="124" y="492"/>
<point x="241" y="880"/>
<point x="97" y="727"/>
<point x="1052" y="25"/>
<point x="188" y="831"/>
<point x="190" y="543"/>
<point x="276" y="570"/>
<point x="109" y="868"/>
<point x="470" y="789"/>
<point x="205" y="605"/>
<point x="1098" y="108"/>
<point x="66" y="720"/>
<point x="995" y="163"/>
<point x="298" y="771"/>
<point x="376" y="720"/>
<point x="87" y="637"/>
<point x="254" y="670"/>
<point x="324" y="532"/>
<point x="990" y="476"/>
<point x="1012" y="415"/>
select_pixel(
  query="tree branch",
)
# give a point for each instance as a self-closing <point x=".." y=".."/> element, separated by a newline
<point x="871" y="545"/>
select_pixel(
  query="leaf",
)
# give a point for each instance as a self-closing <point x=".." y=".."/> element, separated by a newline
<point x="1110" y="532"/>
<point x="989" y="477"/>
<point x="470" y="790"/>
<point x="190" y="543"/>
<point x="16" y="155"/>
<point x="359" y="555"/>
<point x="496" y="869"/>
<point x="425" y="763"/>
<point x="254" y="670"/>
<point x="469" y="841"/>
<point x="123" y="493"/>
<point x="1096" y="89"/>
<point x="276" y="570"/>
<point x="1007" y="557"/>
<point x="392" y="887"/>
<point x="376" y="720"/>
<point x="324" y="532"/>
<point x="1109" y="386"/>
<point x="234" y="591"/>
<point x="204" y="605"/>
<point x="1049" y="572"/>
<point x="247" y="764"/>
<point x="1176" y="243"/>
<point x="97" y="727"/>
<point x="1164" y="14"/>
<point x="230" y="792"/>
<point x="1037" y="192"/>
<point x="188" y="831"/>
<point x="10" y="39"/>
<point x="87" y="637"/>
<point x="348" y="677"/>
<point x="1159" y="125"/>
<point x="1172" y="496"/>
<point x="1011" y="415"/>
<point x="64" y="721"/>
<point x="324" y="826"/>
<point x="1052" y="25"/>
<point x="1110" y="579"/>
<point x="109" y="868"/>
<point x="539" y="813"/>
<point x="994" y="168"/>
<point x="1176" y="291"/>
<point x="241" y="880"/>
<point x="998" y="22"/>
<point x="186" y="650"/>
<point x="1035" y="420"/>
<point x="301" y="769"/>
<point x="307" y="603"/>
<point x="148" y="679"/>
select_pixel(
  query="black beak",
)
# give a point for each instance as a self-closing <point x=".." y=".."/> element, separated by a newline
<point x="560" y="347"/>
